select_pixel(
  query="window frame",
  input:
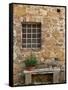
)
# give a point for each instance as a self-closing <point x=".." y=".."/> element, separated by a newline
<point x="36" y="27"/>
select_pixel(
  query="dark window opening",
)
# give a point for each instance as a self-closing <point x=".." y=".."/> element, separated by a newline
<point x="31" y="35"/>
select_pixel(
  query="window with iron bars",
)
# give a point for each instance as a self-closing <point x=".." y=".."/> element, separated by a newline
<point x="31" y="35"/>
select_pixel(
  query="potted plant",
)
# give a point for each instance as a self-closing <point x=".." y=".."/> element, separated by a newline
<point x="30" y="62"/>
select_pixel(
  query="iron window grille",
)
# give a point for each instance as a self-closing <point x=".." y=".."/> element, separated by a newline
<point x="31" y="35"/>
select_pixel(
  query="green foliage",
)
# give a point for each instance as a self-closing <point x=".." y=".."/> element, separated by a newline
<point x="30" y="61"/>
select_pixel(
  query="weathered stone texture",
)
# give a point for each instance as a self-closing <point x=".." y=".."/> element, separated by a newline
<point x="52" y="34"/>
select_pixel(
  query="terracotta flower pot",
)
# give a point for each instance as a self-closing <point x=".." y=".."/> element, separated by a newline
<point x="30" y="68"/>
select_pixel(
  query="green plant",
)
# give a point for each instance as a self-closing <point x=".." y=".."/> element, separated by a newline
<point x="30" y="61"/>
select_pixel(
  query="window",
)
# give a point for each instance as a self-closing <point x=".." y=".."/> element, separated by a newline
<point x="31" y="35"/>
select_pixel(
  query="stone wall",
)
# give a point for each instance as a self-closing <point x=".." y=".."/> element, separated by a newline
<point x="52" y="35"/>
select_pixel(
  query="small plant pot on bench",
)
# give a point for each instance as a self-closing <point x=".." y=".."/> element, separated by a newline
<point x="30" y="62"/>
